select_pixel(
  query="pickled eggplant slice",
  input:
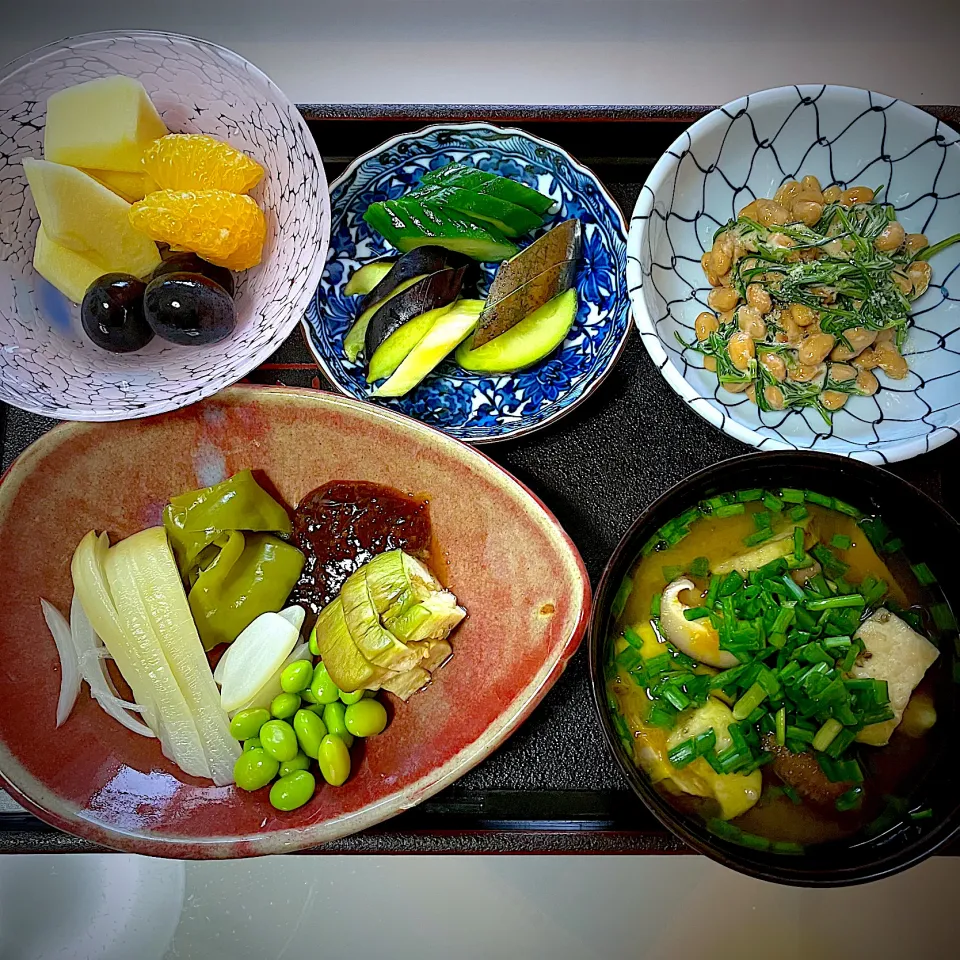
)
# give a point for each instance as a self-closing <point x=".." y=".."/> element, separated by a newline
<point x="428" y="293"/>
<point x="469" y="178"/>
<point x="453" y="327"/>
<point x="527" y="281"/>
<point x="394" y="350"/>
<point x="353" y="341"/>
<point x="509" y="218"/>
<point x="525" y="343"/>
<point x="365" y="279"/>
<point x="420" y="262"/>
<point x="408" y="224"/>
<point x="500" y="318"/>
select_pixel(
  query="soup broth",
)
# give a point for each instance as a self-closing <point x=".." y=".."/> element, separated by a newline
<point x="771" y="666"/>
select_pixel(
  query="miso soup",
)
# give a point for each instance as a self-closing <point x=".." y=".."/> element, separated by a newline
<point x="772" y="665"/>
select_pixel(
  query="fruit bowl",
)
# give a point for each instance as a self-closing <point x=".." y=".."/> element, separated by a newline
<point x="47" y="366"/>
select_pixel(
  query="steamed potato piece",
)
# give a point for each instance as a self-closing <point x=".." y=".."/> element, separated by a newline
<point x="895" y="653"/>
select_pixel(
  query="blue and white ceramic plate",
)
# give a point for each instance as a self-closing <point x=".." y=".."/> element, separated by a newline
<point x="472" y="407"/>
<point x="745" y="150"/>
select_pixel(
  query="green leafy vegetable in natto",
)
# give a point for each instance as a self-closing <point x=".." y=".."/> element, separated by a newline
<point x="812" y="293"/>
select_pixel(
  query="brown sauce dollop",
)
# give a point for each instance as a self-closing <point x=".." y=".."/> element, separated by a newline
<point x="343" y="524"/>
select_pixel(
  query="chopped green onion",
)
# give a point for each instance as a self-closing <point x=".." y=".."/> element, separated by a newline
<point x="754" y="538"/>
<point x="876" y="530"/>
<point x="846" y="508"/>
<point x="798" y="551"/>
<point x="798" y="513"/>
<point x="753" y="841"/>
<point x="632" y="637"/>
<point x="791" y="496"/>
<point x="795" y="798"/>
<point x="851" y="800"/>
<point x="836" y="603"/>
<point x="893" y="546"/>
<point x="840" y="542"/>
<point x="826" y="734"/>
<point x="731" y="584"/>
<point x="761" y="520"/>
<point x="661" y="716"/>
<point x="713" y="589"/>
<point x="811" y="496"/>
<point x="781" y="721"/>
<point x="629" y="659"/>
<point x="850" y="659"/>
<point x="775" y="504"/>
<point x="943" y="617"/>
<point x="696" y="613"/>
<point x="749" y="702"/>
<point x="792" y="588"/>
<point x="925" y="576"/>
<point x="700" y="567"/>
<point x="925" y="814"/>
<point x="745" y="496"/>
<point x="655" y="602"/>
<point x="671" y="572"/>
<point x="729" y="510"/>
<point x="623" y="594"/>
<point x="787" y="847"/>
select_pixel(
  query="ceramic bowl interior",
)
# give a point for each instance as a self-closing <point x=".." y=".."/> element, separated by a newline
<point x="47" y="366"/>
<point x="474" y="407"/>
<point x="527" y="611"/>
<point x="929" y="532"/>
<point x="745" y="150"/>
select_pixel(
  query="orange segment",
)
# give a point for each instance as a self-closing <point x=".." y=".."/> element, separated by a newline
<point x="224" y="228"/>
<point x="193" y="161"/>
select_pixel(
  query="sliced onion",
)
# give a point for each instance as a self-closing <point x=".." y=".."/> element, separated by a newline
<point x="92" y="668"/>
<point x="69" y="667"/>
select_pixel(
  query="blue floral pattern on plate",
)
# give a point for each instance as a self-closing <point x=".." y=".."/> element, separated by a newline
<point x="472" y="407"/>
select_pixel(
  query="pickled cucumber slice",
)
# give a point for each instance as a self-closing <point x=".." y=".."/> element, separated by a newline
<point x="525" y="343"/>
<point x="469" y="178"/>
<point x="408" y="224"/>
<point x="367" y="277"/>
<point x="509" y="218"/>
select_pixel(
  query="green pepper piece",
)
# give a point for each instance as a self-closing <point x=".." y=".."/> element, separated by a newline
<point x="194" y="520"/>
<point x="239" y="585"/>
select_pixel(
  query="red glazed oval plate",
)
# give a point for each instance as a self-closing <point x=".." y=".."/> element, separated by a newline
<point x="508" y="560"/>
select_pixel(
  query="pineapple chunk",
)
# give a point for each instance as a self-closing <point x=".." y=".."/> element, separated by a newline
<point x="102" y="124"/>
<point x="130" y="186"/>
<point x="87" y="218"/>
<point x="69" y="272"/>
<point x="895" y="653"/>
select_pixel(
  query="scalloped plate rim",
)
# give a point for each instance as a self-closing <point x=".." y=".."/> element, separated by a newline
<point x="598" y="378"/>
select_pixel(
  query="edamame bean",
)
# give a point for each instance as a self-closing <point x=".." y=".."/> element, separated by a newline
<point x="300" y="762"/>
<point x="247" y="723"/>
<point x="279" y="740"/>
<point x="285" y="705"/>
<point x="310" y="731"/>
<point x="366" y="718"/>
<point x="333" y="719"/>
<point x="334" y="760"/>
<point x="307" y="695"/>
<point x="296" y="676"/>
<point x="252" y="744"/>
<point x="255" y="769"/>
<point x="322" y="685"/>
<point x="349" y="698"/>
<point x="293" y="790"/>
<point x="314" y="646"/>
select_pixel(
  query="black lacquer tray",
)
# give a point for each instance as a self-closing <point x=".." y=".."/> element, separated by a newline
<point x="552" y="787"/>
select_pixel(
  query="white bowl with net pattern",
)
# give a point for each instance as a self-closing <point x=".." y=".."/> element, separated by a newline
<point x="745" y="150"/>
<point x="47" y="366"/>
